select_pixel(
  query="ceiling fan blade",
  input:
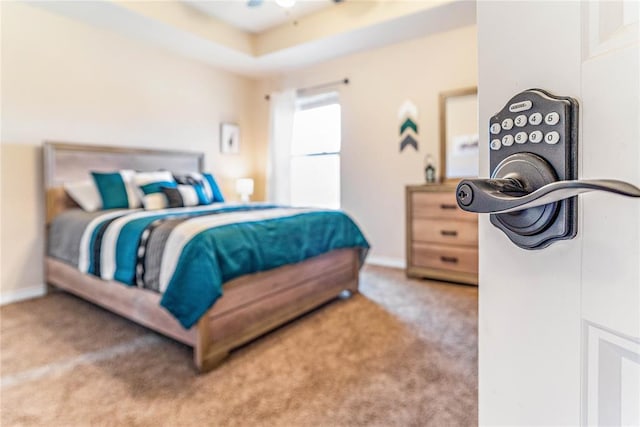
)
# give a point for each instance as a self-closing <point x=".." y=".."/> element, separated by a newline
<point x="254" y="3"/>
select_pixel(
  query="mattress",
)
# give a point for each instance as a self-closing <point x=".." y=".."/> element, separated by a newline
<point x="187" y="254"/>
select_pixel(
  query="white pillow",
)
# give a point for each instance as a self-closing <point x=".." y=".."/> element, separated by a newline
<point x="133" y="194"/>
<point x="85" y="194"/>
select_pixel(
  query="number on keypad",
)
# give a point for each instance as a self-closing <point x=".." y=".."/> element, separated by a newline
<point x="552" y="138"/>
<point x="521" y="120"/>
<point x="507" y="140"/>
<point x="552" y="118"/>
<point x="535" y="119"/>
<point x="536" y="136"/>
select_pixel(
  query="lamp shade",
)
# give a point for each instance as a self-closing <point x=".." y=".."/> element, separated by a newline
<point x="244" y="187"/>
<point x="287" y="4"/>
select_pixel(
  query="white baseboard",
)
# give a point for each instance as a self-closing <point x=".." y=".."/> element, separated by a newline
<point x="7" y="297"/>
<point x="387" y="261"/>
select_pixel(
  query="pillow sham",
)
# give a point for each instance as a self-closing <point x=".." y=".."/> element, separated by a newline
<point x="85" y="194"/>
<point x="212" y="193"/>
<point x="117" y="189"/>
<point x="151" y="184"/>
<point x="183" y="195"/>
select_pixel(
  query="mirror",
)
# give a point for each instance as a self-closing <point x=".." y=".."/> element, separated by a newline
<point x="459" y="134"/>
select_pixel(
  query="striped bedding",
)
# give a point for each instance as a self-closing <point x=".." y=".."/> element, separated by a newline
<point x="187" y="254"/>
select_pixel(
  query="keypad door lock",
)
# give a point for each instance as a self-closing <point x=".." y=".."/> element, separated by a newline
<point x="533" y="189"/>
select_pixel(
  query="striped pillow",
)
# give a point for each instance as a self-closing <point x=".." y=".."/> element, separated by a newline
<point x="215" y="190"/>
<point x="210" y="191"/>
<point x="117" y="189"/>
<point x="150" y="185"/>
<point x="183" y="195"/>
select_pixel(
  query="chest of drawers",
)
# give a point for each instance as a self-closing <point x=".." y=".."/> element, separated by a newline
<point x="442" y="239"/>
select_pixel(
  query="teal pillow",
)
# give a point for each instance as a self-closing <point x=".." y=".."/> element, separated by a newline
<point x="113" y="190"/>
<point x="215" y="190"/>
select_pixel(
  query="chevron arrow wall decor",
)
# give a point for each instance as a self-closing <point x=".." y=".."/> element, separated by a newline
<point x="408" y="140"/>
<point x="408" y="116"/>
<point x="408" y="123"/>
<point x="407" y="108"/>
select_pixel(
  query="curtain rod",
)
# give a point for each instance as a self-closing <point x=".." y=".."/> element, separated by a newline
<point x="344" y="81"/>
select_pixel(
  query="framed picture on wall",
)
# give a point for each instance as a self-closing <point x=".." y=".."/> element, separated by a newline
<point x="229" y="138"/>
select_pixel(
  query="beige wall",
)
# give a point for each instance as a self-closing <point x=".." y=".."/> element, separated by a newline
<point x="63" y="80"/>
<point x="374" y="172"/>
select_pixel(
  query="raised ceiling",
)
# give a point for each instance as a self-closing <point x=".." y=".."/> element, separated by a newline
<point x="259" y="18"/>
<point x="327" y="33"/>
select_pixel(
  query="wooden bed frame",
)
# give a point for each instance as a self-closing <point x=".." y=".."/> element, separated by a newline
<point x="251" y="306"/>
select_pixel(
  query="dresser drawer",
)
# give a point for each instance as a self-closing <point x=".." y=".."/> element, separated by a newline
<point x="438" y="205"/>
<point x="443" y="257"/>
<point x="455" y="232"/>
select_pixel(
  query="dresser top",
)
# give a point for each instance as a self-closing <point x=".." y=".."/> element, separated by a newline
<point x="446" y="186"/>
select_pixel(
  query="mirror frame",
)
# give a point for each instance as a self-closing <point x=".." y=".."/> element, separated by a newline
<point x="443" y="128"/>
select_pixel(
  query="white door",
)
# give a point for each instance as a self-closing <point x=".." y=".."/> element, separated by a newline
<point x="559" y="329"/>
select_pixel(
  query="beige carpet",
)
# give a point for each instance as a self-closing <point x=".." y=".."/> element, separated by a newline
<point x="403" y="352"/>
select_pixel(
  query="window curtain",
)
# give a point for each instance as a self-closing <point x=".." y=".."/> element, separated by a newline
<point x="282" y="110"/>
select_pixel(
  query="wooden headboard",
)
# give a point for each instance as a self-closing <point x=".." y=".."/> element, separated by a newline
<point x="64" y="162"/>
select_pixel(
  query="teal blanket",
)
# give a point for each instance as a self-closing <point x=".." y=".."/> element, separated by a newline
<point x="204" y="248"/>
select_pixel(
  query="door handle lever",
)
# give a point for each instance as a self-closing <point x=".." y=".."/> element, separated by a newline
<point x="506" y="195"/>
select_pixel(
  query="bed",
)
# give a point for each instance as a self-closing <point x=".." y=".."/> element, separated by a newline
<point x="249" y="303"/>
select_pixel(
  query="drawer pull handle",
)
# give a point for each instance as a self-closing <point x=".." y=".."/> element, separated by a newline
<point x="451" y="233"/>
<point x="449" y="259"/>
<point x="445" y="206"/>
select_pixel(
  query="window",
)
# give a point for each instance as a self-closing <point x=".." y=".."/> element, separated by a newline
<point x="315" y="152"/>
